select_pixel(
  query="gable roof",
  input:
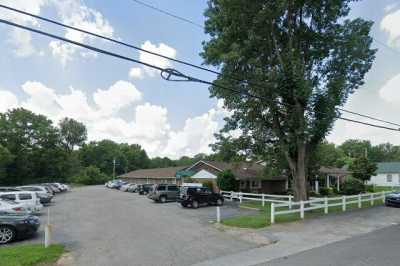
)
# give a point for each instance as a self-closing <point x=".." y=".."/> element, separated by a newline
<point x="388" y="167"/>
<point x="167" y="172"/>
<point x="333" y="170"/>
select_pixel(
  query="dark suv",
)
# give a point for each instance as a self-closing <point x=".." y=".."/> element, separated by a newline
<point x="194" y="197"/>
<point x="144" y="189"/>
<point x="164" y="192"/>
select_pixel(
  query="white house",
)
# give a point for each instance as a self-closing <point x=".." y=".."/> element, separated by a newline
<point x="388" y="174"/>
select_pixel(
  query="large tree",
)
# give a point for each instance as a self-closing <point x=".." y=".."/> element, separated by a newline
<point x="301" y="58"/>
<point x="73" y="133"/>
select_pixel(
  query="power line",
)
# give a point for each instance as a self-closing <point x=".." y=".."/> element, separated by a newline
<point x="166" y="74"/>
<point x="369" y="117"/>
<point x="169" y="13"/>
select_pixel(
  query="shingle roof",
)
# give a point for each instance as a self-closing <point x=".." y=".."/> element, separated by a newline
<point x="388" y="167"/>
<point x="167" y="172"/>
<point x="333" y="170"/>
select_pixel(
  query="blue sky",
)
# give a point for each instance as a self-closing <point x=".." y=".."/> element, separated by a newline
<point x="166" y="118"/>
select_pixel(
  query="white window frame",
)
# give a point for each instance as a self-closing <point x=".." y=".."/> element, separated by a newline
<point x="389" y="178"/>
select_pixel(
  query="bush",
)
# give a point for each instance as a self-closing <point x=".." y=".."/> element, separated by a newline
<point x="90" y="175"/>
<point x="312" y="193"/>
<point x="369" y="188"/>
<point x="226" y="181"/>
<point x="352" y="186"/>
<point x="325" y="191"/>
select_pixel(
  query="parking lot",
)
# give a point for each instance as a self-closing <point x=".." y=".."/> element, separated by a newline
<point x="108" y="227"/>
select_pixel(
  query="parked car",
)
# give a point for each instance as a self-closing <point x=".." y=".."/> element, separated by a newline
<point x="124" y="187"/>
<point x="132" y="188"/>
<point x="60" y="186"/>
<point x="53" y="187"/>
<point x="17" y="226"/>
<point x="164" y="192"/>
<point x="144" y="189"/>
<point x="29" y="199"/>
<point x="48" y="188"/>
<point x="12" y="206"/>
<point x="393" y="199"/>
<point x="195" y="197"/>
<point x="7" y="189"/>
<point x="44" y="196"/>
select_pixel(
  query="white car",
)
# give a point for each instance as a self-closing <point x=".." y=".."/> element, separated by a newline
<point x="29" y="200"/>
<point x="125" y="187"/>
<point x="12" y="206"/>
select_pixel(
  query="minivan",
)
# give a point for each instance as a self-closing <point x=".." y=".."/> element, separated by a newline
<point x="29" y="199"/>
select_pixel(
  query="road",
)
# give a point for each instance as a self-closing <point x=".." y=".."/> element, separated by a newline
<point x="103" y="227"/>
<point x="378" y="248"/>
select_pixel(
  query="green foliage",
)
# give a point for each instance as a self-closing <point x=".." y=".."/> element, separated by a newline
<point x="324" y="191"/>
<point x="352" y="186"/>
<point x="363" y="169"/>
<point x="303" y="58"/>
<point x="72" y="132"/>
<point x="30" y="255"/>
<point x="226" y="181"/>
<point x="90" y="175"/>
<point x="5" y="159"/>
<point x="369" y="188"/>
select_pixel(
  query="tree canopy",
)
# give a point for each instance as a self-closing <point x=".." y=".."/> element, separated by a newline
<point x="301" y="58"/>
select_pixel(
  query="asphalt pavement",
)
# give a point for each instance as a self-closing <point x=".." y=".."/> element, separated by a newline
<point x="378" y="248"/>
<point x="103" y="227"/>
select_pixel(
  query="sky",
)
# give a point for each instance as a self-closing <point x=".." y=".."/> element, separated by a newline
<point x="127" y="102"/>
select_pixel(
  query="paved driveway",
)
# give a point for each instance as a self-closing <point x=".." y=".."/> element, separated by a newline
<point x="108" y="227"/>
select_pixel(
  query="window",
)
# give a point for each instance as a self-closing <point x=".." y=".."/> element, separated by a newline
<point x="389" y="178"/>
<point x="8" y="197"/>
<point x="172" y="188"/>
<point x="161" y="188"/>
<point x="25" y="196"/>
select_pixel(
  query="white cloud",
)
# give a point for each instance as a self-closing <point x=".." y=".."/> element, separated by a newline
<point x="390" y="92"/>
<point x="118" y="96"/>
<point x="7" y="100"/>
<point x="156" y="60"/>
<point x="136" y="73"/>
<point x="390" y="24"/>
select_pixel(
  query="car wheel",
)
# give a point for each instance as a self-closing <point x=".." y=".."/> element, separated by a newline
<point x="184" y="205"/>
<point x="195" y="204"/>
<point x="220" y="202"/>
<point x="163" y="199"/>
<point x="7" y="234"/>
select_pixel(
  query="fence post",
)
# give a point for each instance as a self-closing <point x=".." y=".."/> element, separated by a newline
<point x="290" y="201"/>
<point x="326" y="205"/>
<point x="240" y="197"/>
<point x="344" y="203"/>
<point x="218" y="214"/>
<point x="302" y="209"/>
<point x="359" y="200"/>
<point x="47" y="231"/>
<point x="383" y="197"/>
<point x="372" y="199"/>
<point x="272" y="213"/>
<point x="263" y="200"/>
<point x="231" y="195"/>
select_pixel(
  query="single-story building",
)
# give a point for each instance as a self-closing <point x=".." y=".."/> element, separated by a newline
<point x="249" y="174"/>
<point x="387" y="174"/>
<point x="332" y="177"/>
<point x="153" y="176"/>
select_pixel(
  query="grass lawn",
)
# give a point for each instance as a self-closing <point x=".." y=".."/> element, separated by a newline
<point x="262" y="219"/>
<point x="383" y="188"/>
<point x="30" y="255"/>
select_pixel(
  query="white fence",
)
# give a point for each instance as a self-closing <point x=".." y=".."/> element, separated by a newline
<point x="284" y="199"/>
<point x="323" y="203"/>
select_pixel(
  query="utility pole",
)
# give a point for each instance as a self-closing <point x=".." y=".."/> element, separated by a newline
<point x="114" y="169"/>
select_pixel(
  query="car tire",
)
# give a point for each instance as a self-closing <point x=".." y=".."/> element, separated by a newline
<point x="163" y="199"/>
<point x="195" y="204"/>
<point x="7" y="234"/>
<point x="220" y="202"/>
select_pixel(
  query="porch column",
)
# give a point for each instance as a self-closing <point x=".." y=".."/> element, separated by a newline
<point x="316" y="186"/>
<point x="338" y="183"/>
<point x="328" y="185"/>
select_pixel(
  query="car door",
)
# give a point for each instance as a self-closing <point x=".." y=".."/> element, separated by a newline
<point x="172" y="192"/>
<point x="204" y="195"/>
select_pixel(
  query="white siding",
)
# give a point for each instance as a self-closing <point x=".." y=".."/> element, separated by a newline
<point x="382" y="180"/>
<point x="203" y="174"/>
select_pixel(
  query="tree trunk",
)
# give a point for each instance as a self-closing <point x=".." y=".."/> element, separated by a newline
<point x="298" y="167"/>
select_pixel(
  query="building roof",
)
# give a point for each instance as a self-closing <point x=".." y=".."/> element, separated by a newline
<point x="388" y="167"/>
<point x="162" y="173"/>
<point x="333" y="170"/>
